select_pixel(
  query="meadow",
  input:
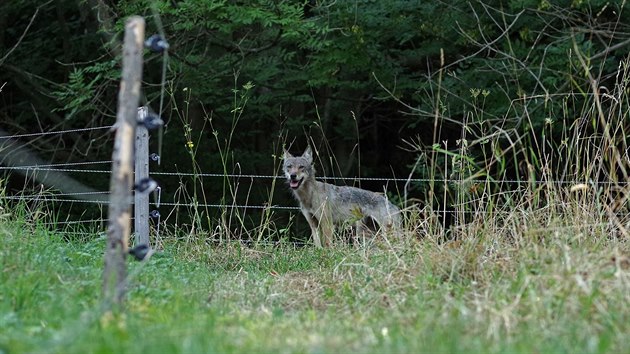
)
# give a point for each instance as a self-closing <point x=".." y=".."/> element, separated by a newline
<point x="490" y="260"/>
<point x="519" y="283"/>
<point x="512" y="120"/>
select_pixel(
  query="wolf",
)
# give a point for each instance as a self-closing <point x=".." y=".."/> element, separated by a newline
<point x="325" y="205"/>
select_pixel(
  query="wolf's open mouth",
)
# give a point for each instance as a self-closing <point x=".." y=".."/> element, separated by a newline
<point x="295" y="183"/>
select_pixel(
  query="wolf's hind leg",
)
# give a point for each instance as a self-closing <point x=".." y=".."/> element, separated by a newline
<point x="366" y="228"/>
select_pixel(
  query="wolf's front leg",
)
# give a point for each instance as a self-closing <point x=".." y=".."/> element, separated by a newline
<point x="327" y="229"/>
<point x="313" y="223"/>
<point x="316" y="239"/>
<point x="360" y="233"/>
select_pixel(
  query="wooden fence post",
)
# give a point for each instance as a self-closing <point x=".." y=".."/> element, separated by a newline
<point x="121" y="182"/>
<point x="141" y="200"/>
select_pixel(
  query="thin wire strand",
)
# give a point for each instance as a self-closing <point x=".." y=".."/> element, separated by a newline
<point x="53" y="133"/>
<point x="57" y="164"/>
<point x="95" y="221"/>
<point x="453" y="181"/>
<point x="54" y="169"/>
<point x="275" y="207"/>
<point x="49" y="199"/>
<point x="233" y="206"/>
<point x="49" y="194"/>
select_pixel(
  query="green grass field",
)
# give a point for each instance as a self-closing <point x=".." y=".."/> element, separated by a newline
<point x="553" y="289"/>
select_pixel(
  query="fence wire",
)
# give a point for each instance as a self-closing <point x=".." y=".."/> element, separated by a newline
<point x="254" y="176"/>
<point x="49" y="167"/>
<point x="50" y="196"/>
<point x="28" y="135"/>
<point x="54" y="196"/>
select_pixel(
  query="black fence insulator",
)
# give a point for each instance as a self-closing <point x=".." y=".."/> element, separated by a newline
<point x="156" y="43"/>
<point x="140" y="251"/>
<point x="152" y="121"/>
<point x="146" y="185"/>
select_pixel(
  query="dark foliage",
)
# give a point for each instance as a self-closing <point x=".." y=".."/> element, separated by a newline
<point x="365" y="80"/>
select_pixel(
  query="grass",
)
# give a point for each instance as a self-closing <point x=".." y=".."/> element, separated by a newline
<point x="540" y="266"/>
<point x="553" y="289"/>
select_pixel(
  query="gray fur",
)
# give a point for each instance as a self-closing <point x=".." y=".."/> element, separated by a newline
<point x="325" y="205"/>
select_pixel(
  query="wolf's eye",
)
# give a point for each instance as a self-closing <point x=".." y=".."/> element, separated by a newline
<point x="301" y="167"/>
<point x="289" y="166"/>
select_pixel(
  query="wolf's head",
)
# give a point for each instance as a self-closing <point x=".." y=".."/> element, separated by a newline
<point x="298" y="168"/>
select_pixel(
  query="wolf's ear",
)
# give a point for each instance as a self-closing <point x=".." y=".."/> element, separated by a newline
<point x="308" y="154"/>
<point x="287" y="154"/>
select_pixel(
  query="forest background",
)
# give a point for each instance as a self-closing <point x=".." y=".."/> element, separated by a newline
<point x="426" y="89"/>
<point x="504" y="123"/>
